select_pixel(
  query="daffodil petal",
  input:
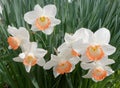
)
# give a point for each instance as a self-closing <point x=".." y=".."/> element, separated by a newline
<point x="48" y="31"/>
<point x="54" y="21"/>
<point x="49" y="64"/>
<point x="75" y="60"/>
<point x="102" y="35"/>
<point x="18" y="59"/>
<point x="86" y="66"/>
<point x="88" y="75"/>
<point x="28" y="68"/>
<point x="108" y="49"/>
<point x="50" y="10"/>
<point x="41" y="62"/>
<point x="68" y="38"/>
<point x="40" y="52"/>
<point x="38" y="9"/>
<point x="109" y="70"/>
<point x="55" y="73"/>
<point x="31" y="16"/>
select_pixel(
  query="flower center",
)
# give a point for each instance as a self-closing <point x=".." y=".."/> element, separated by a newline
<point x="29" y="60"/>
<point x="99" y="73"/>
<point x="74" y="53"/>
<point x="42" y="23"/>
<point x="94" y="53"/>
<point x="64" y="67"/>
<point x="13" y="42"/>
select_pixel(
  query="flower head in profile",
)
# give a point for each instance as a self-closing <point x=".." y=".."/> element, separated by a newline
<point x="98" y="70"/>
<point x="18" y="37"/>
<point x="96" y="46"/>
<point x="70" y="39"/>
<point x="42" y="19"/>
<point x="61" y="64"/>
<point x="31" y="55"/>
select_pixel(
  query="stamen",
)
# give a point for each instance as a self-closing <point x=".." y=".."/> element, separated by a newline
<point x="64" y="67"/>
<point x="42" y="23"/>
<point x="30" y="60"/>
<point x="99" y="73"/>
<point x="14" y="43"/>
<point x="94" y="53"/>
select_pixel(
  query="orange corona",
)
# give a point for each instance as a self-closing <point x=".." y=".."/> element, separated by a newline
<point x="94" y="53"/>
<point x="99" y="74"/>
<point x="29" y="60"/>
<point x="14" y="43"/>
<point x="64" y="67"/>
<point x="42" y="23"/>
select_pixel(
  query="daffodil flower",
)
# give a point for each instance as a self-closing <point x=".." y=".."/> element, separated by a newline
<point x="42" y="19"/>
<point x="96" y="47"/>
<point x="18" y="38"/>
<point x="71" y="39"/>
<point x="60" y="64"/>
<point x="31" y="55"/>
<point x="98" y="70"/>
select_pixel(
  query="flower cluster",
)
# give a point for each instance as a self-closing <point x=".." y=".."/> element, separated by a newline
<point x="91" y="49"/>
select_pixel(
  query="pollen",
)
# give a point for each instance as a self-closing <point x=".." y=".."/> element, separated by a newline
<point x="99" y="73"/>
<point x="64" y="67"/>
<point x="29" y="60"/>
<point x="74" y="53"/>
<point x="42" y="23"/>
<point x="94" y="53"/>
<point x="13" y="42"/>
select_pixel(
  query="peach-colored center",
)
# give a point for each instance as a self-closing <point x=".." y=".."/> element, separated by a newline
<point x="64" y="67"/>
<point x="13" y="42"/>
<point x="94" y="53"/>
<point x="74" y="53"/>
<point x="29" y="60"/>
<point x="99" y="74"/>
<point x="42" y="23"/>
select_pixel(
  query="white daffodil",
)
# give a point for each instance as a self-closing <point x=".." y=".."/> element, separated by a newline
<point x="31" y="55"/>
<point x="42" y="19"/>
<point x="98" y="70"/>
<point x="61" y="64"/>
<point x="79" y="35"/>
<point x="96" y="47"/>
<point x="18" y="38"/>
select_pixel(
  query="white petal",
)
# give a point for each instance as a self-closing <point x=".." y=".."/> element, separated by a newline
<point x="23" y="34"/>
<point x="50" y="10"/>
<point x="74" y="60"/>
<point x="108" y="49"/>
<point x="109" y="70"/>
<point x="34" y="28"/>
<point x="54" y="22"/>
<point x="50" y="64"/>
<point x="106" y="61"/>
<point x="62" y="47"/>
<point x="68" y="38"/>
<point x="84" y="58"/>
<point x="102" y="35"/>
<point x="38" y="9"/>
<point x="40" y="52"/>
<point x="18" y="59"/>
<point x="28" y="68"/>
<point x="33" y="46"/>
<point x="80" y="47"/>
<point x="55" y="73"/>
<point x="88" y="75"/>
<point x="41" y="62"/>
<point x="12" y="30"/>
<point x="73" y="67"/>
<point x="31" y="16"/>
<point x="48" y="31"/>
<point x="86" y="66"/>
<point x="22" y="55"/>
